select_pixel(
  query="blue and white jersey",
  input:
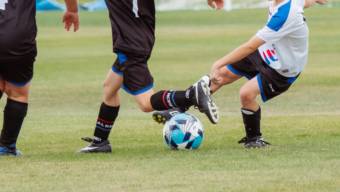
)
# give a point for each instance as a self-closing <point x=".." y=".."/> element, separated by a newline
<point x="286" y="36"/>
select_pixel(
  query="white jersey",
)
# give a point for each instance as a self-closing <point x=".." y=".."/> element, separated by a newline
<point x="286" y="36"/>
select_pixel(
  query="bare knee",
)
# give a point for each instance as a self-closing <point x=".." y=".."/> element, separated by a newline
<point x="107" y="84"/>
<point x="146" y="109"/>
<point x="111" y="86"/>
<point x="17" y="93"/>
<point x="111" y="97"/>
<point x="144" y="102"/>
<point x="247" y="97"/>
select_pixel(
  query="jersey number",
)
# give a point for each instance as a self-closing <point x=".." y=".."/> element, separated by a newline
<point x="3" y="4"/>
<point x="134" y="7"/>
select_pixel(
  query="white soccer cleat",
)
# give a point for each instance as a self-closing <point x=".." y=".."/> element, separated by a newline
<point x="203" y="100"/>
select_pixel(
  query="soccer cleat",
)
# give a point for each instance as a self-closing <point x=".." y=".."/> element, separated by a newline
<point x="255" y="142"/>
<point x="96" y="146"/>
<point x="9" y="151"/>
<point x="203" y="100"/>
<point x="162" y="117"/>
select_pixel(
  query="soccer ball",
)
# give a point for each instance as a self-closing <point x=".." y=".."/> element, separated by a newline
<point x="183" y="131"/>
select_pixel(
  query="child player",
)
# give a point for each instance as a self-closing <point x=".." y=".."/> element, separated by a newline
<point x="271" y="60"/>
<point x="18" y="50"/>
<point x="133" y="34"/>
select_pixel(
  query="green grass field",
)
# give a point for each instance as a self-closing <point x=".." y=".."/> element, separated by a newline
<point x="303" y="124"/>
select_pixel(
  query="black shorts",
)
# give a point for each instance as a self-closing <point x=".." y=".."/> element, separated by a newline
<point x="133" y="25"/>
<point x="19" y="71"/>
<point x="137" y="78"/>
<point x="271" y="83"/>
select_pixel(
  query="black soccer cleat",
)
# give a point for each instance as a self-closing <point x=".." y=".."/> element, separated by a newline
<point x="162" y="117"/>
<point x="203" y="100"/>
<point x="255" y="142"/>
<point x="96" y="146"/>
<point x="9" y="151"/>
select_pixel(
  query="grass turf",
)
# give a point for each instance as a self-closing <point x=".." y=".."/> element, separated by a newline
<point x="302" y="124"/>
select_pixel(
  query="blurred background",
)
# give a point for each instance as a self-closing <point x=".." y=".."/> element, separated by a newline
<point x="303" y="124"/>
<point x="167" y="5"/>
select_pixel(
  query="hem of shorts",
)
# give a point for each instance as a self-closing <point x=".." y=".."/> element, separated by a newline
<point x="236" y="72"/>
<point x="121" y="57"/>
<point x="21" y="84"/>
<point x="259" y="81"/>
<point x="291" y="80"/>
<point x="117" y="71"/>
<point x="138" y="92"/>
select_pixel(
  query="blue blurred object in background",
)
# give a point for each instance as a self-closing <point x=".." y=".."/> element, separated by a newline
<point x="49" y="5"/>
<point x="53" y="5"/>
<point x="96" y="5"/>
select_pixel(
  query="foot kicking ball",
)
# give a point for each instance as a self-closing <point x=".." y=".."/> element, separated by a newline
<point x="183" y="131"/>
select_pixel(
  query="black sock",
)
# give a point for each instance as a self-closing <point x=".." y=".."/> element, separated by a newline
<point x="164" y="100"/>
<point x="107" y="116"/>
<point x="251" y="122"/>
<point x="14" y="115"/>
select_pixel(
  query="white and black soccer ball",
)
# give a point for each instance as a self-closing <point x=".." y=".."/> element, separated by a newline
<point x="183" y="131"/>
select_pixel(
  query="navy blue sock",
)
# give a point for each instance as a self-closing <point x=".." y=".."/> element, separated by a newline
<point x="14" y="115"/>
<point x="107" y="116"/>
<point x="164" y="100"/>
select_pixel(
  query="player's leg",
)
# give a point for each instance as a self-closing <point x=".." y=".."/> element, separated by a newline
<point x="227" y="74"/>
<point x="226" y="77"/>
<point x="269" y="84"/>
<point x="248" y="67"/>
<point x="251" y="113"/>
<point x="138" y="82"/>
<point x="198" y="95"/>
<point x="145" y="104"/>
<point x="109" y="108"/>
<point x="108" y="112"/>
<point x="16" y="77"/>
<point x="143" y="101"/>
<point x="251" y="68"/>
<point x="248" y="93"/>
<point x="2" y="87"/>
<point x="14" y="115"/>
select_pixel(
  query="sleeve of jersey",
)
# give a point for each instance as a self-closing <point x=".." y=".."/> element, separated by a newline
<point x="268" y="35"/>
<point x="275" y="29"/>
